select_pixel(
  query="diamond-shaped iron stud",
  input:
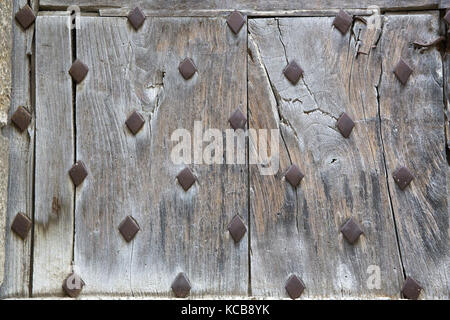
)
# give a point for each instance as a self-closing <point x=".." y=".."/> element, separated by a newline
<point x="21" y="118"/>
<point x="21" y="225"/>
<point x="345" y="125"/>
<point x="343" y="21"/>
<point x="73" y="285"/>
<point x="186" y="178"/>
<point x="25" y="17"/>
<point x="78" y="71"/>
<point x="237" y="228"/>
<point x="129" y="228"/>
<point x="402" y="177"/>
<point x="78" y="173"/>
<point x="294" y="175"/>
<point x="237" y="120"/>
<point x="181" y="286"/>
<point x="293" y="72"/>
<point x="136" y="18"/>
<point x="235" y="21"/>
<point x="135" y="122"/>
<point x="294" y="287"/>
<point x="447" y="16"/>
<point x="402" y="71"/>
<point x="411" y="289"/>
<point x="187" y="68"/>
<point x="351" y="231"/>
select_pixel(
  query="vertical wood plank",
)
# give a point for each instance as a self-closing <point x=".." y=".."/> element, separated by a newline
<point x="134" y="175"/>
<point x="414" y="136"/>
<point x="297" y="230"/>
<point x="20" y="184"/>
<point x="54" y="191"/>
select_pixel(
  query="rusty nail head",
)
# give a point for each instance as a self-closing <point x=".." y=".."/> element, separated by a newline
<point x="343" y="21"/>
<point x="129" y="228"/>
<point x="345" y="125"/>
<point x="78" y="173"/>
<point x="237" y="120"/>
<point x="136" y="18"/>
<point x="403" y="177"/>
<point x="402" y="71"/>
<point x="411" y="289"/>
<point x="293" y="72"/>
<point x="25" y="17"/>
<point x="351" y="231"/>
<point x="294" y="176"/>
<point x="186" y="178"/>
<point x="235" y="21"/>
<point x="187" y="68"/>
<point x="21" y="225"/>
<point x="21" y="118"/>
<point x="78" y="71"/>
<point x="181" y="286"/>
<point x="237" y="228"/>
<point x="73" y="285"/>
<point x="294" y="287"/>
<point x="447" y="16"/>
<point x="135" y="122"/>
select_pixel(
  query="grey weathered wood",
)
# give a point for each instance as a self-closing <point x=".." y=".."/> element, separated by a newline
<point x="54" y="191"/>
<point x="6" y="9"/>
<point x="134" y="175"/>
<point x="247" y="5"/>
<point x="446" y="68"/>
<point x="20" y="184"/>
<point x="413" y="134"/>
<point x="123" y="12"/>
<point x="297" y="231"/>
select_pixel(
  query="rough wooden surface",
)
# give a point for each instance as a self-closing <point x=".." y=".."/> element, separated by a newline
<point x="20" y="185"/>
<point x="413" y="132"/>
<point x="5" y="101"/>
<point x="290" y="231"/>
<point x="54" y="191"/>
<point x="123" y="12"/>
<point x="245" y="5"/>
<point x="180" y="231"/>
<point x="297" y="231"/>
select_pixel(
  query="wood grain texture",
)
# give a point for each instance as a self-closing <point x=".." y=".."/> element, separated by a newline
<point x="196" y="7"/>
<point x="123" y="12"/>
<point x="180" y="231"/>
<point x="445" y="4"/>
<point x="20" y="184"/>
<point x="54" y="191"/>
<point x="446" y="68"/>
<point x="297" y="231"/>
<point x="413" y="134"/>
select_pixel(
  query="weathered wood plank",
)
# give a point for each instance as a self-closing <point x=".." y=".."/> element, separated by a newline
<point x="245" y="5"/>
<point x="297" y="231"/>
<point x="20" y="184"/>
<point x="413" y="134"/>
<point x="54" y="191"/>
<point x="6" y="9"/>
<point x="123" y="12"/>
<point x="180" y="231"/>
<point x="446" y="68"/>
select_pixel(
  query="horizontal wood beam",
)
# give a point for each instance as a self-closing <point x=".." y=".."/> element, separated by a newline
<point x="251" y="7"/>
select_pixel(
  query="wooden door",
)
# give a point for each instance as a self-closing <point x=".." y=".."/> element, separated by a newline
<point x="288" y="230"/>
